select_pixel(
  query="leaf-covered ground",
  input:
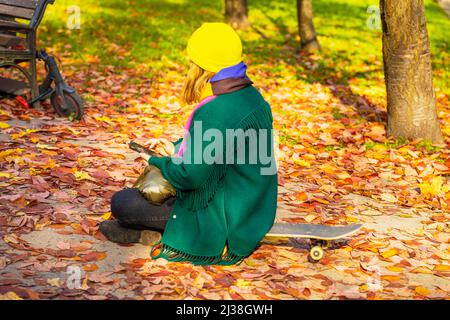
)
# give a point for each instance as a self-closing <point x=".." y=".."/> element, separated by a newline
<point x="335" y="164"/>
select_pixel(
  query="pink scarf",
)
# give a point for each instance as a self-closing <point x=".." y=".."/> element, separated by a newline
<point x="189" y="122"/>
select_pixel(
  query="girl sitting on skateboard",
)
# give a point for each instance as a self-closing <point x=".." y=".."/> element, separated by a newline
<point x="224" y="207"/>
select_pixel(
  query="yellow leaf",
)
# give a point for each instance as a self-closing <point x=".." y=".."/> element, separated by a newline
<point x="10" y="296"/>
<point x="82" y="175"/>
<point x="302" y="163"/>
<point x="363" y="288"/>
<point x="32" y="171"/>
<point x="4" y="154"/>
<point x="379" y="148"/>
<point x="375" y="155"/>
<point x="55" y="282"/>
<point x="4" y="125"/>
<point x="403" y="150"/>
<point x="50" y="164"/>
<point x="198" y="282"/>
<point x="157" y="132"/>
<point x="327" y="168"/>
<point x="310" y="217"/>
<point x="251" y="262"/>
<point x="106" y="216"/>
<point x="5" y="175"/>
<point x="180" y="291"/>
<point x="75" y="132"/>
<point x="105" y="119"/>
<point x="23" y="133"/>
<point x="422" y="291"/>
<point x="389" y="253"/>
<point x="84" y="285"/>
<point x="431" y="187"/>
<point x="242" y="283"/>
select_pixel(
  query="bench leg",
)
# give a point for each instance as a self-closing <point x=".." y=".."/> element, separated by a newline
<point x="34" y="84"/>
<point x="33" y="69"/>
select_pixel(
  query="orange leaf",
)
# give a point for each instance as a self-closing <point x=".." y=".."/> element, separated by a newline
<point x="90" y="267"/>
<point x="94" y="256"/>
<point x="422" y="291"/>
<point x="390" y="278"/>
<point x="442" y="267"/>
<point x="394" y="268"/>
<point x="301" y="196"/>
<point x="306" y="292"/>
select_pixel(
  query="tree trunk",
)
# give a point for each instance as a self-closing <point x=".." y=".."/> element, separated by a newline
<point x="308" y="37"/>
<point x="236" y="12"/>
<point x="411" y="103"/>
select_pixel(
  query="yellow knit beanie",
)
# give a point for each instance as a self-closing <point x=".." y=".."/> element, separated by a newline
<point x="215" y="46"/>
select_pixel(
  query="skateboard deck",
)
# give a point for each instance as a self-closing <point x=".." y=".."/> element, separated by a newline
<point x="312" y="231"/>
<point x="321" y="234"/>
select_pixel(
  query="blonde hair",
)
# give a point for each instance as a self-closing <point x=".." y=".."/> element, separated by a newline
<point x="196" y="79"/>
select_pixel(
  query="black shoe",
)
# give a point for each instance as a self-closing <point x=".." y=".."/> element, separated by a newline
<point x="114" y="232"/>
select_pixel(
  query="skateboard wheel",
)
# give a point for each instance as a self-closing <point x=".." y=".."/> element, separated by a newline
<point x="316" y="253"/>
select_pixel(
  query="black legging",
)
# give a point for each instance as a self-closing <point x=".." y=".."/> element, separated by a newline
<point x="133" y="211"/>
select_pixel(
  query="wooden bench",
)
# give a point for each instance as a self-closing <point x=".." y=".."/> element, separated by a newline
<point x="19" y="20"/>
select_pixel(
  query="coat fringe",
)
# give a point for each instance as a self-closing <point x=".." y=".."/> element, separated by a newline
<point x="174" y="255"/>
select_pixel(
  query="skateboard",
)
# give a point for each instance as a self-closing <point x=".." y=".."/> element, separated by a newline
<point x="320" y="235"/>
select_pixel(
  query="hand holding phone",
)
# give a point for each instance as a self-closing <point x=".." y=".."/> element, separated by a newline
<point x="140" y="148"/>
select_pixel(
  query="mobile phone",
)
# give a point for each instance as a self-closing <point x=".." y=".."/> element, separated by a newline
<point x="140" y="148"/>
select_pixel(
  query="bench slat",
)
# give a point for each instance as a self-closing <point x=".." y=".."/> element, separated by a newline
<point x="16" y="12"/>
<point x="12" y="25"/>
<point x="30" y="4"/>
<point x="7" y="40"/>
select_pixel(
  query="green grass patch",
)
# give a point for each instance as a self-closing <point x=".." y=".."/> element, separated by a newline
<point x="428" y="145"/>
<point x="369" y="145"/>
<point x="336" y="114"/>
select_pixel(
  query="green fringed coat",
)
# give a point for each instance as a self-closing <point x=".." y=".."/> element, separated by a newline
<point x="221" y="205"/>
